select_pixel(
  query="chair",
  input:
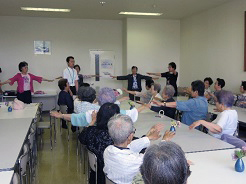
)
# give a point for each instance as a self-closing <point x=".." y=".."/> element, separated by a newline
<point x="48" y="125"/>
<point x="238" y="143"/>
<point x="92" y="162"/>
<point x="23" y="160"/>
<point x="83" y="156"/>
<point x="108" y="181"/>
<point x="32" y="153"/>
<point x="63" y="110"/>
<point x="15" y="179"/>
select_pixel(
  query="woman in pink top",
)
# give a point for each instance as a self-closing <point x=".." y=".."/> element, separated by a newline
<point x="25" y="83"/>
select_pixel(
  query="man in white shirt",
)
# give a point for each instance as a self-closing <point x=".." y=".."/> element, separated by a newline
<point x="227" y="121"/>
<point x="71" y="75"/>
<point x="122" y="160"/>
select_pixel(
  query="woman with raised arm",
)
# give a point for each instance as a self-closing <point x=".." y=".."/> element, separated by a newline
<point x="25" y="83"/>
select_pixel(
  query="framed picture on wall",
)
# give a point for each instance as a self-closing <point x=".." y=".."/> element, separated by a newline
<point x="42" y="47"/>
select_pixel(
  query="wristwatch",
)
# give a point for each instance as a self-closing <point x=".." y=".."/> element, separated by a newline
<point x="164" y="104"/>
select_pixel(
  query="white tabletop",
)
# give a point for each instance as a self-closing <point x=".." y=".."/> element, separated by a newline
<point x="12" y="135"/>
<point x="6" y="176"/>
<point x="214" y="167"/>
<point x="189" y="140"/>
<point x="29" y="111"/>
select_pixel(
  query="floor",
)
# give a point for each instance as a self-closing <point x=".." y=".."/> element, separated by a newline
<point x="60" y="165"/>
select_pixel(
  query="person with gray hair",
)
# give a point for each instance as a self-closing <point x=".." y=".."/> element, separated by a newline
<point x="122" y="160"/>
<point x="86" y="97"/>
<point x="107" y="95"/>
<point x="227" y="121"/>
<point x="167" y="95"/>
<point x="164" y="163"/>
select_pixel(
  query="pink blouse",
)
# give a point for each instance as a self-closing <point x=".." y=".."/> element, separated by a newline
<point x="20" y="81"/>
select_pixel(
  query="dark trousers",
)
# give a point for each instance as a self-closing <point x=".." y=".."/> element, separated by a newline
<point x="25" y="97"/>
<point x="73" y="89"/>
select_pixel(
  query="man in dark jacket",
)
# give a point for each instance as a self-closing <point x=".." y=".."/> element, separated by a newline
<point x="134" y="81"/>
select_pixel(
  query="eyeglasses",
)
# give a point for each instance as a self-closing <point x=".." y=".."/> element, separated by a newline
<point x="133" y="131"/>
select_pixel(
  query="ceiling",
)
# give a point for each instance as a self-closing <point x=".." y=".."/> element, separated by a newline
<point x="92" y="9"/>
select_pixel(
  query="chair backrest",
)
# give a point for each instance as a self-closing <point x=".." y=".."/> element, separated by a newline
<point x="63" y="109"/>
<point x="23" y="160"/>
<point x="31" y="138"/>
<point x="238" y="143"/>
<point x="15" y="179"/>
<point x="92" y="160"/>
<point x="108" y="181"/>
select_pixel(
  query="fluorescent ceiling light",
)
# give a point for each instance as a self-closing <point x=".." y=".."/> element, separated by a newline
<point x="140" y="13"/>
<point x="45" y="9"/>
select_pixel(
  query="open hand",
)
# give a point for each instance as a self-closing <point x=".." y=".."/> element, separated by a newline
<point x="154" y="132"/>
<point x="168" y="135"/>
<point x="56" y="114"/>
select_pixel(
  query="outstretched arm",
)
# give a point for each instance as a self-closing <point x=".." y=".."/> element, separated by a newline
<point x="214" y="128"/>
<point x="43" y="79"/>
<point x="59" y="77"/>
<point x="166" y="104"/>
<point x="130" y="92"/>
<point x="5" y="82"/>
<point x="156" y="74"/>
<point x="125" y="77"/>
<point x="60" y="115"/>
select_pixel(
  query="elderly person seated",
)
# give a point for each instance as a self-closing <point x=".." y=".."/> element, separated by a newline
<point x="85" y="118"/>
<point x="108" y="95"/>
<point x="226" y="122"/>
<point x="86" y="96"/>
<point x="164" y="163"/>
<point x="96" y="138"/>
<point x="241" y="99"/>
<point x="193" y="109"/>
<point x="146" y="95"/>
<point x="167" y="95"/>
<point x="122" y="160"/>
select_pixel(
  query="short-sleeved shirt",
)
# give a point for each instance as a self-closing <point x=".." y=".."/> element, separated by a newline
<point x="171" y="80"/>
<point x="193" y="109"/>
<point x="228" y="121"/>
<point x="71" y="75"/>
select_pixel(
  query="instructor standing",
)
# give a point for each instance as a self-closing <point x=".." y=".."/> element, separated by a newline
<point x="71" y="75"/>
<point x="134" y="81"/>
<point x="171" y="76"/>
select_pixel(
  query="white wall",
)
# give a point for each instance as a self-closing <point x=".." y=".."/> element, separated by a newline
<point x="212" y="44"/>
<point x="68" y="37"/>
<point x="151" y="44"/>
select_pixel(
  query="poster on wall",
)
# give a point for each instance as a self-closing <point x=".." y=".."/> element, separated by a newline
<point x="102" y="63"/>
<point x="42" y="47"/>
